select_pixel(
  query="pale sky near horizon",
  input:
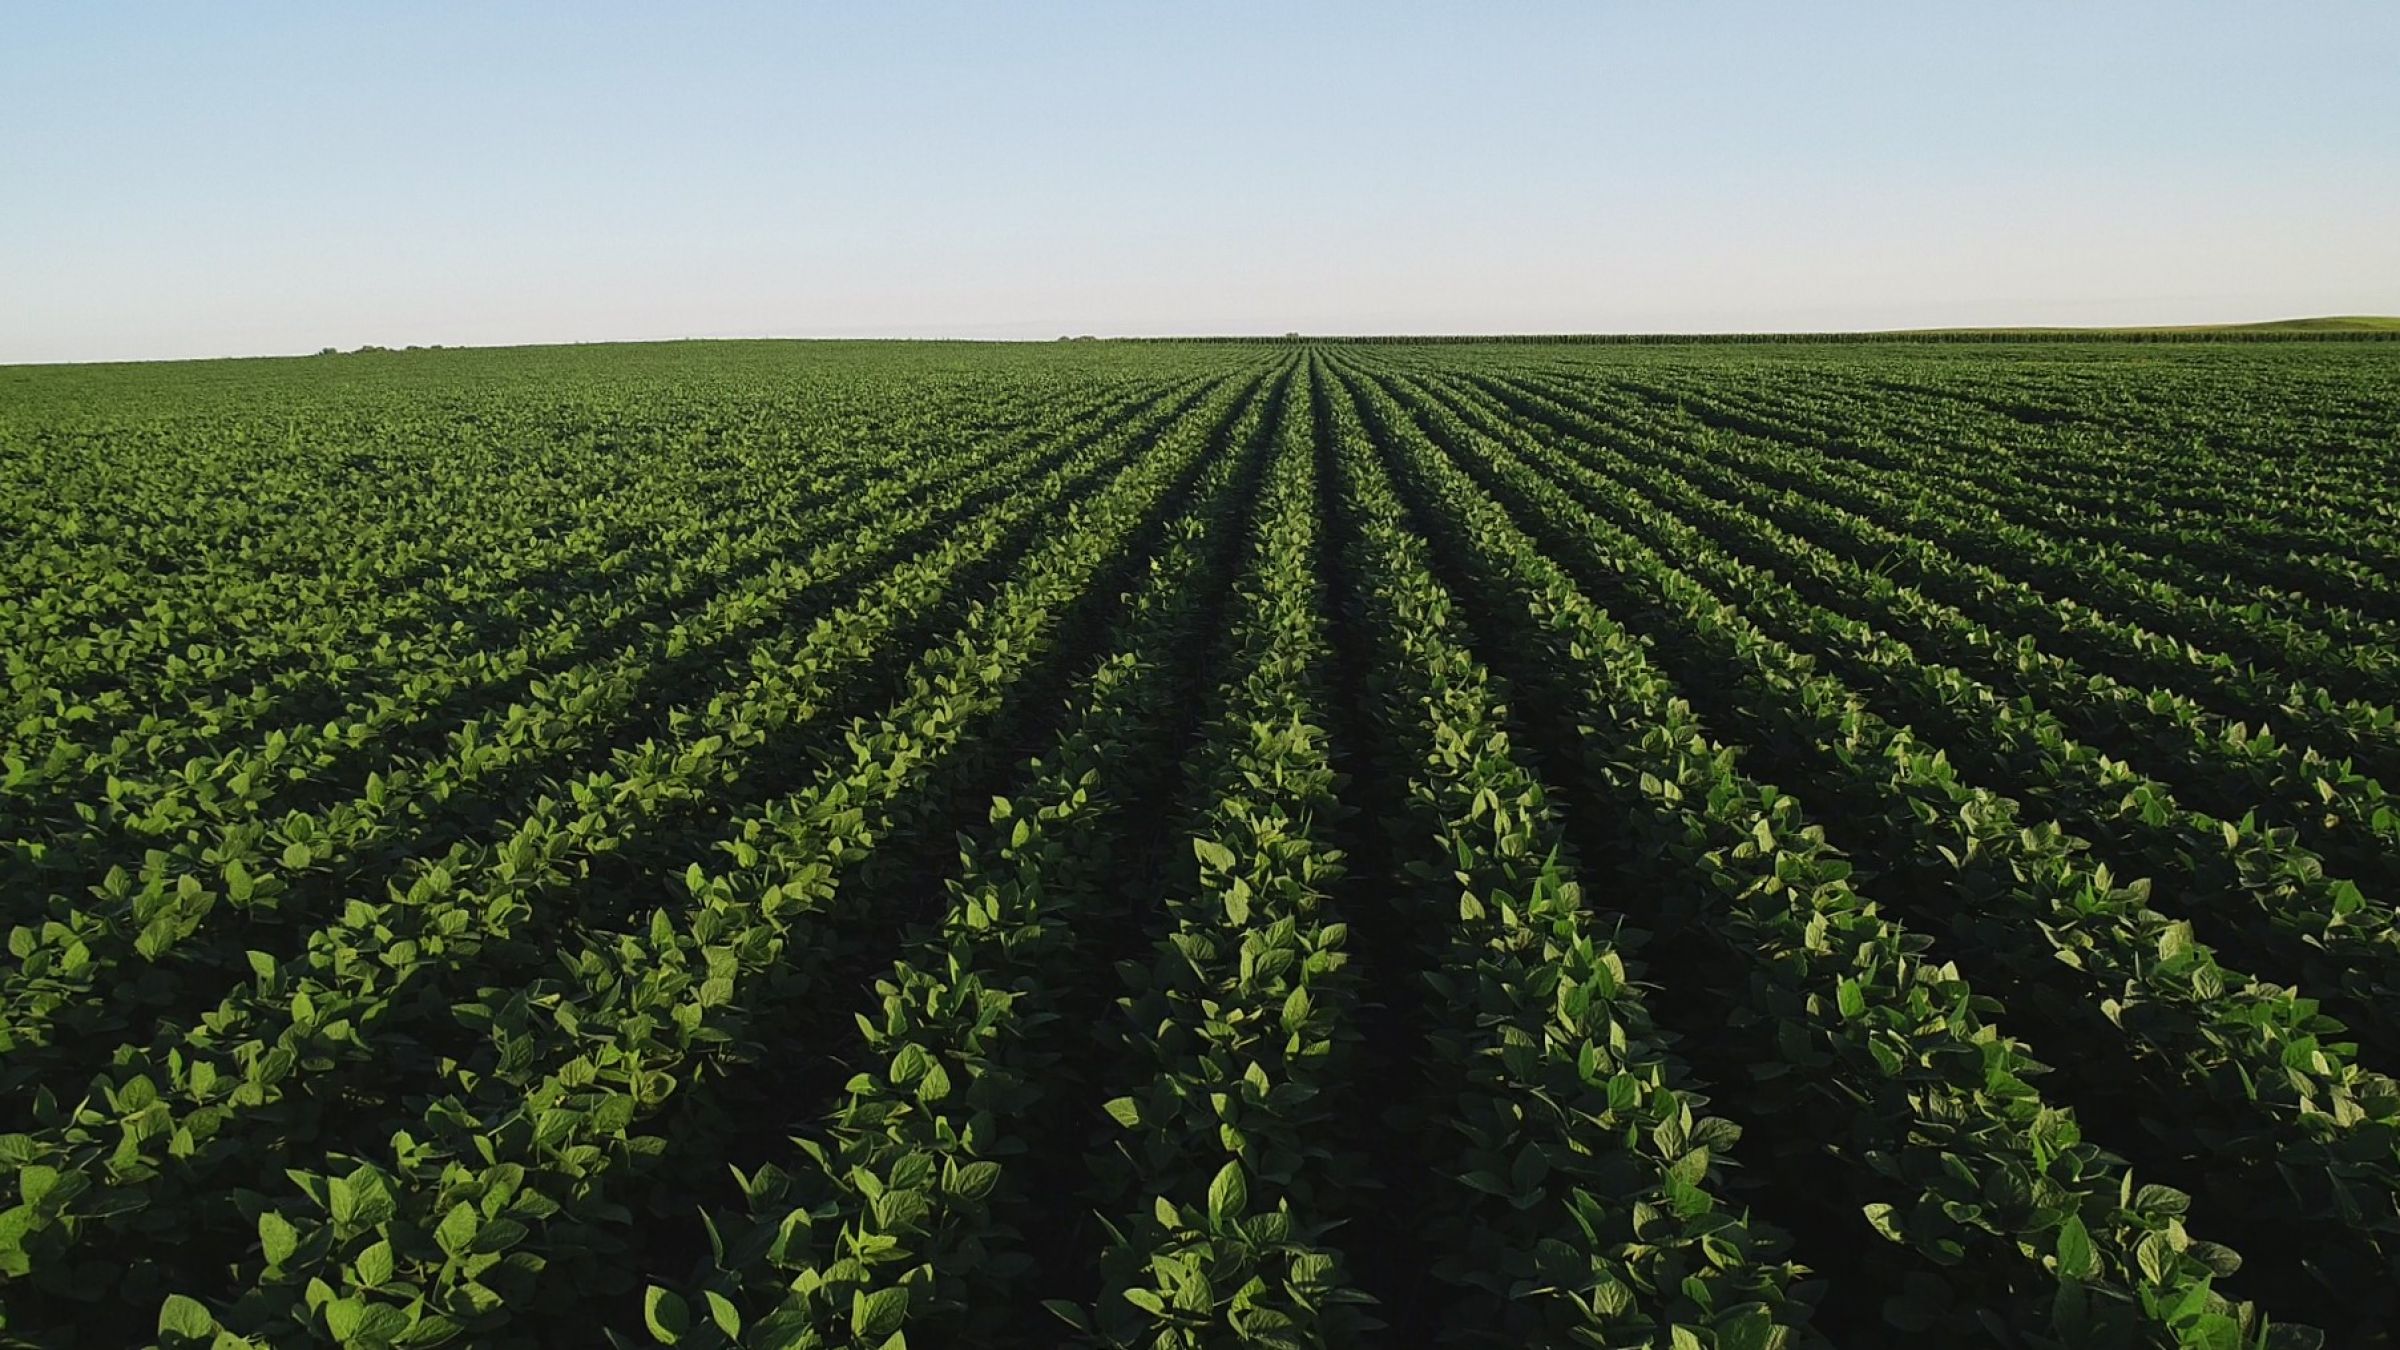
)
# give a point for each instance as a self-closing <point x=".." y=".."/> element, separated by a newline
<point x="187" y="180"/>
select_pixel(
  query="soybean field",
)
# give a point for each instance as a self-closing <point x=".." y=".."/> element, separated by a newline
<point x="1156" y="844"/>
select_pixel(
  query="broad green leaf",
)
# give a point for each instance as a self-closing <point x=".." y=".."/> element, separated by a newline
<point x="183" y="1315"/>
<point x="1146" y="1300"/>
<point x="722" y="1312"/>
<point x="375" y="1264"/>
<point x="456" y="1233"/>
<point x="2076" y="1256"/>
<point x="669" y="1318"/>
<point x="1228" y="1194"/>
<point x="877" y="1314"/>
<point x="277" y="1237"/>
<point x="1851" y="997"/>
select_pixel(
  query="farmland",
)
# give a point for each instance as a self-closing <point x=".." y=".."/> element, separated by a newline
<point x="1211" y="844"/>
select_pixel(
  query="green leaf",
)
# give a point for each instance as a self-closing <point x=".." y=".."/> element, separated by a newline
<point x="2157" y="1258"/>
<point x="973" y="1181"/>
<point x="498" y="1235"/>
<point x="2076" y="1258"/>
<point x="1125" y="1111"/>
<point x="1213" y="854"/>
<point x="934" y="1086"/>
<point x="722" y="1312"/>
<point x="1885" y="1219"/>
<point x="371" y="1195"/>
<point x="183" y="1315"/>
<point x="2175" y="941"/>
<point x="2221" y="1260"/>
<point x="15" y="1223"/>
<point x="2214" y="1331"/>
<point x="1228" y="1194"/>
<point x="1624" y="1091"/>
<point x="2161" y="1200"/>
<point x="375" y="1265"/>
<point x="277" y="1237"/>
<point x="374" y="1324"/>
<point x="1752" y="1328"/>
<point x="879" y="1313"/>
<point x="431" y="1329"/>
<point x="345" y="1318"/>
<point x="457" y="1230"/>
<point x="1851" y="997"/>
<point x="669" y="1317"/>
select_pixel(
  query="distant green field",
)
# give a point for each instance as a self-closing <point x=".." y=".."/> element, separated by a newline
<point x="2340" y="323"/>
<point x="883" y="845"/>
<point x="2335" y="323"/>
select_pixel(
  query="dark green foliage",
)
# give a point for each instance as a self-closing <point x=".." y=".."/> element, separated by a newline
<point x="795" y="845"/>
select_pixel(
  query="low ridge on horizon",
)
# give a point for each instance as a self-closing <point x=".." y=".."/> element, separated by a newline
<point x="2331" y="324"/>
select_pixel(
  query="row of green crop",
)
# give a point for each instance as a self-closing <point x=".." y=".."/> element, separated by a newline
<point x="418" y="973"/>
<point x="214" y="541"/>
<point x="2021" y="1224"/>
<point x="896" y="1216"/>
<point x="306" y="1037"/>
<point x="2093" y="438"/>
<point x="1219" y="1184"/>
<point x="299" y="765"/>
<point x="2300" y="573"/>
<point x="178" y="560"/>
<point x="2272" y="483"/>
<point x="554" y="1118"/>
<point x="1903" y="537"/>
<point x="2228" y="528"/>
<point x="2342" y="814"/>
<point x="183" y="926"/>
<point x="2238" y="504"/>
<point x="362" y="667"/>
<point x="2235" y="1059"/>
<point x="2331" y="934"/>
<point x="1980" y="526"/>
<point x="1577" y="1172"/>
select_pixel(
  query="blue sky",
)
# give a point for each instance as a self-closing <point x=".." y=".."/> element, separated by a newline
<point x="183" y="180"/>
